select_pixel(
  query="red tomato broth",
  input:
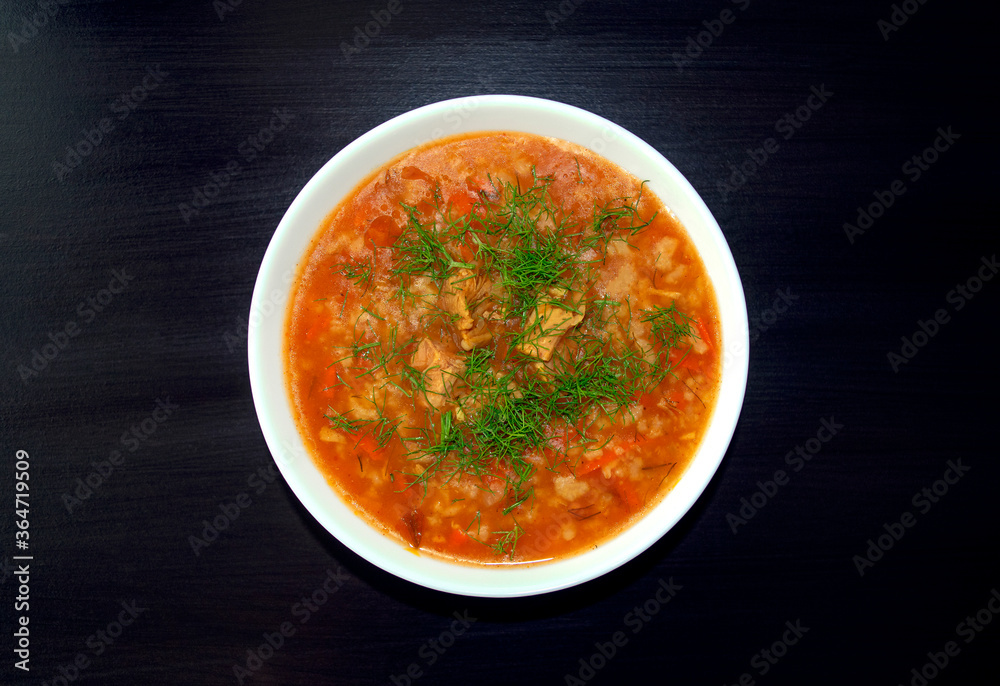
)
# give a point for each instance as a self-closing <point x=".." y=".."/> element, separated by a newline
<point x="351" y="337"/>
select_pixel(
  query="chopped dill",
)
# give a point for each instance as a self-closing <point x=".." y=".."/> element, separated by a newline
<point x="495" y="414"/>
<point x="343" y="422"/>
<point x="507" y="542"/>
<point x="669" y="325"/>
<point x="358" y="272"/>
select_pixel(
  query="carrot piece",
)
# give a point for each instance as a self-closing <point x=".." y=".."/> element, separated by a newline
<point x="588" y="466"/>
<point x="626" y="491"/>
<point x="329" y="378"/>
<point x="461" y="203"/>
<point x="369" y="447"/>
<point x="703" y="333"/>
<point x="320" y="324"/>
<point x="457" y="538"/>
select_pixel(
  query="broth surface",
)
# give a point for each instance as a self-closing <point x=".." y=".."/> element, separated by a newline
<point x="502" y="348"/>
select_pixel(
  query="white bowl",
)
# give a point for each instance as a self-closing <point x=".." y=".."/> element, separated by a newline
<point x="339" y="176"/>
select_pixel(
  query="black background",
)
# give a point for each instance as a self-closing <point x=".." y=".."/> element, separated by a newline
<point x="177" y="332"/>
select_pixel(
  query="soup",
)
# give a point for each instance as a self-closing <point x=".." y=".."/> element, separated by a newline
<point x="502" y="348"/>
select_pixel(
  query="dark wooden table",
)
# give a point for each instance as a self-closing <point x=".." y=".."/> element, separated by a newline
<point x="849" y="152"/>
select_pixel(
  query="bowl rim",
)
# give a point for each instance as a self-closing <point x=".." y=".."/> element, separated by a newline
<point x="271" y="301"/>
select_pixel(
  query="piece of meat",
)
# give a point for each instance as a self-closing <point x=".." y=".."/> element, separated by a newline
<point x="440" y="371"/>
<point x="475" y="337"/>
<point x="454" y="300"/>
<point x="550" y="321"/>
<point x="458" y="291"/>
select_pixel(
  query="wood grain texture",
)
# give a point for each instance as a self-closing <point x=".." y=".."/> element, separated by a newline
<point x="174" y="334"/>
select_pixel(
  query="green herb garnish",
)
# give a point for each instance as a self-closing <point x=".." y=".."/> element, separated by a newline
<point x="495" y="420"/>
